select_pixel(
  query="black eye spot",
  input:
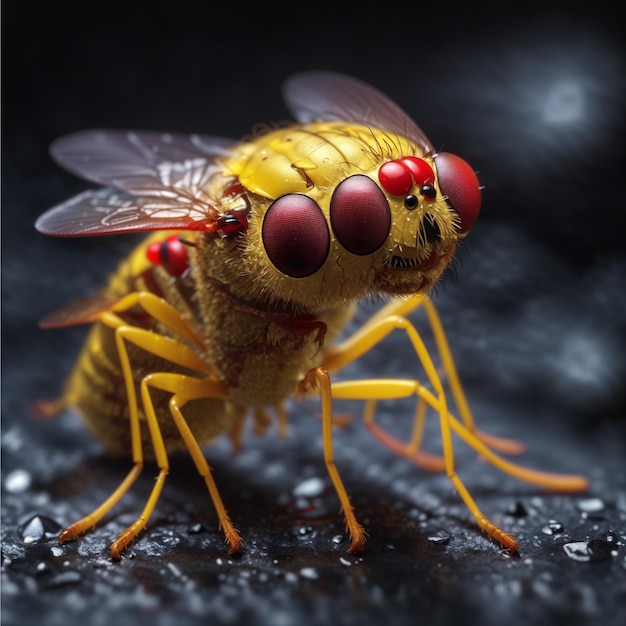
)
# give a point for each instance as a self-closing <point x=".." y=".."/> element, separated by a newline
<point x="428" y="191"/>
<point x="411" y="202"/>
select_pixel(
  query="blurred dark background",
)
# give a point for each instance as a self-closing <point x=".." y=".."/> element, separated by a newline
<point x="533" y="97"/>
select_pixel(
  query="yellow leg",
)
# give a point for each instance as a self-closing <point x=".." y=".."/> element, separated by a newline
<point x="319" y="377"/>
<point x="180" y="354"/>
<point x="186" y="388"/>
<point x="374" y="332"/>
<point x="162" y="311"/>
<point x="89" y="522"/>
<point x="546" y="480"/>
<point x="168" y="349"/>
<point x="159" y="345"/>
<point x="355" y="346"/>
<point x="509" y="446"/>
<point x="127" y="536"/>
<point x="395" y="389"/>
<point x="362" y="341"/>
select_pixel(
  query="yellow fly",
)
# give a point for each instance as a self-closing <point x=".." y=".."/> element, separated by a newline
<point x="273" y="241"/>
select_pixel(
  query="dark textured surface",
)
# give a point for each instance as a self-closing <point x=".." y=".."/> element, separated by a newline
<point x="535" y="315"/>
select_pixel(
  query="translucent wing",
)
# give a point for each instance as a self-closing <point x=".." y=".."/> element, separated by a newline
<point x="313" y="96"/>
<point x="107" y="211"/>
<point x="160" y="181"/>
<point x="140" y="163"/>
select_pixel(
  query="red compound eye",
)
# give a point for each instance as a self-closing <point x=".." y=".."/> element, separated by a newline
<point x="459" y="184"/>
<point x="359" y="214"/>
<point x="398" y="176"/>
<point x="295" y="235"/>
<point x="171" y="254"/>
